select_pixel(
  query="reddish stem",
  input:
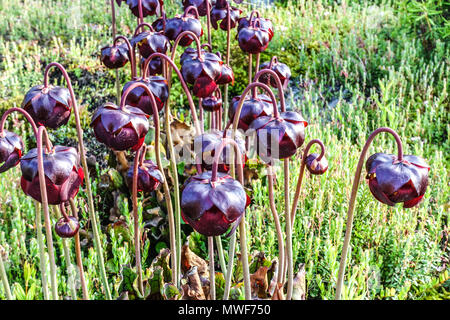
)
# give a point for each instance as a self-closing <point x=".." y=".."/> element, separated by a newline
<point x="131" y="54"/>
<point x="279" y="85"/>
<point x="141" y="26"/>
<point x="137" y="238"/>
<point x="188" y="9"/>
<point x="183" y="84"/>
<point x="349" y="225"/>
<point x="218" y="152"/>
<point x="25" y="114"/>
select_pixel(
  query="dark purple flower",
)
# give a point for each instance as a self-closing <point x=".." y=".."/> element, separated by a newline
<point x="63" y="174"/>
<point x="199" y="4"/>
<point x="202" y="72"/>
<point x="67" y="228"/>
<point x="212" y="207"/>
<point x="392" y="181"/>
<point x="120" y="128"/>
<point x="315" y="166"/>
<point x="280" y="137"/>
<point x="149" y="177"/>
<point x="253" y="39"/>
<point x="11" y="149"/>
<point x="283" y="72"/>
<point x="149" y="42"/>
<point x="139" y="98"/>
<point x="149" y="7"/>
<point x="155" y="66"/>
<point x="264" y="24"/>
<point x="48" y="106"/>
<point x="115" y="56"/>
<point x="181" y="23"/>
<point x="219" y="13"/>
<point x="206" y="144"/>
<point x="252" y="108"/>
<point x="226" y="75"/>
<point x="211" y="103"/>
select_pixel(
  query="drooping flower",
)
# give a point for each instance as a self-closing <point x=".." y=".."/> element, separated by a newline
<point x="67" y="228"/>
<point x="63" y="174"/>
<point x="315" y="166"/>
<point x="115" y="56"/>
<point x="264" y="24"/>
<point x="252" y="108"/>
<point x="149" y="7"/>
<point x="201" y="6"/>
<point x="393" y="181"/>
<point x="219" y="13"/>
<point x="279" y="137"/>
<point x="201" y="71"/>
<point x="180" y="23"/>
<point x="149" y="177"/>
<point x="48" y="106"/>
<point x="207" y="143"/>
<point x="212" y="207"/>
<point x="212" y="103"/>
<point x="139" y="98"/>
<point x="282" y="70"/>
<point x="149" y="42"/>
<point x="11" y="149"/>
<point x="120" y="128"/>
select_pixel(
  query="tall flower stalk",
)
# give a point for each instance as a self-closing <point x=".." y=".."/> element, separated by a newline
<point x="4" y="277"/>
<point x="351" y="208"/>
<point x="92" y="214"/>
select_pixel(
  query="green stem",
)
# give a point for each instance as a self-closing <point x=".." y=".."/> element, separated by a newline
<point x="41" y="245"/>
<point x="212" y="273"/>
<point x="92" y="214"/>
<point x="69" y="269"/>
<point x="4" y="277"/>
<point x="221" y="255"/>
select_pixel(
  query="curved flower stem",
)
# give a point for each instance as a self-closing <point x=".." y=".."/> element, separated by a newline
<point x="24" y="113"/>
<point x="70" y="275"/>
<point x="42" y="259"/>
<point x="132" y="54"/>
<point x="114" y="32"/>
<point x="348" y="231"/>
<point x="227" y="62"/>
<point x="137" y="236"/>
<point x="250" y="66"/>
<point x="172" y="159"/>
<point x="92" y="215"/>
<point x="245" y="266"/>
<point x="258" y="56"/>
<point x="48" y="226"/>
<point x="84" y="289"/>
<point x="212" y="273"/>
<point x="183" y="83"/>
<point x="231" y="251"/>
<point x="141" y="26"/>
<point x="202" y="121"/>
<point x="208" y="21"/>
<point x="301" y="174"/>
<point x="270" y="177"/>
<point x="4" y="278"/>
<point x="175" y="274"/>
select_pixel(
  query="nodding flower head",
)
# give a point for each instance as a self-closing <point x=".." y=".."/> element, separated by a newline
<point x="279" y="137"/>
<point x="149" y="7"/>
<point x="67" y="227"/>
<point x="139" y="98"/>
<point x="393" y="181"/>
<point x="316" y="166"/>
<point x="201" y="71"/>
<point x="11" y="149"/>
<point x="48" y="106"/>
<point x="149" y="42"/>
<point x="264" y="24"/>
<point x="120" y="128"/>
<point x="115" y="56"/>
<point x="63" y="174"/>
<point x="220" y="13"/>
<point x="212" y="207"/>
<point x="283" y="72"/>
<point x="180" y="23"/>
<point x="211" y="103"/>
<point x="252" y="108"/>
<point x="201" y="6"/>
<point x="149" y="177"/>
<point x="206" y="144"/>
